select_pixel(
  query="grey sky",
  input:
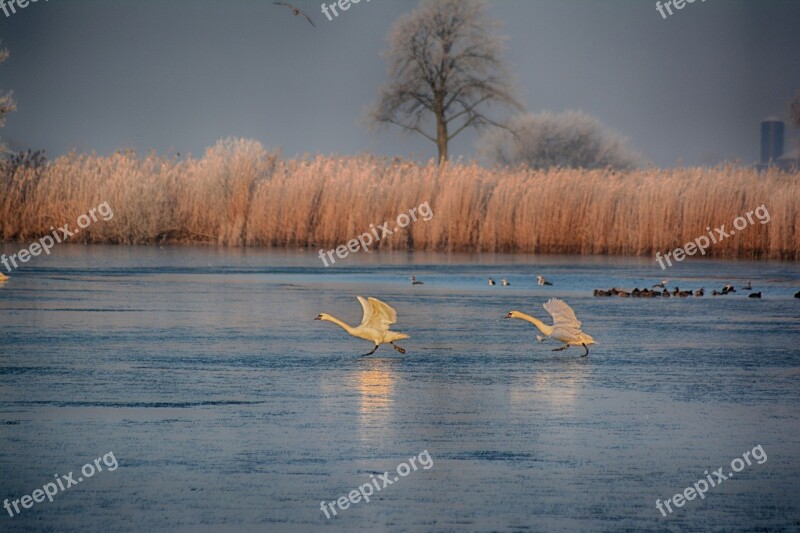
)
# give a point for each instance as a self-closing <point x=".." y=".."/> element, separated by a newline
<point x="180" y="74"/>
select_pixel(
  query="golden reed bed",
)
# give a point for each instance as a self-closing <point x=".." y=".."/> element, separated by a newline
<point x="239" y="194"/>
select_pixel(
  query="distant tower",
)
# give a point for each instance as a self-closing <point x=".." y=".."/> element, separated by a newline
<point x="771" y="140"/>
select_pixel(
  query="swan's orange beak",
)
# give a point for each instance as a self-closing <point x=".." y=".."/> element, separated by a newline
<point x="508" y="315"/>
<point x="319" y="317"/>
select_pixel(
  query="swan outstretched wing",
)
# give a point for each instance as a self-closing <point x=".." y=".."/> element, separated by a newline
<point x="366" y="307"/>
<point x="386" y="312"/>
<point x="377" y="314"/>
<point x="565" y="333"/>
<point x="563" y="316"/>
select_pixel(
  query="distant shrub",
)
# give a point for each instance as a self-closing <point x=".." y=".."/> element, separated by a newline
<point x="7" y="104"/>
<point x="27" y="159"/>
<point x="794" y="110"/>
<point x="568" y="140"/>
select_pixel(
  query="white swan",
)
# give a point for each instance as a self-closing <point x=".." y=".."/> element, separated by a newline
<point x="378" y="316"/>
<point x="566" y="326"/>
<point x="542" y="281"/>
<point x="504" y="282"/>
<point x="491" y="282"/>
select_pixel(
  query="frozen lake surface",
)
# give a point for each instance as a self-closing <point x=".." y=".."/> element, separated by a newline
<point x="228" y="408"/>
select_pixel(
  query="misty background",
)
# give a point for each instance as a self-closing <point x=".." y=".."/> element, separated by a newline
<point x="177" y="75"/>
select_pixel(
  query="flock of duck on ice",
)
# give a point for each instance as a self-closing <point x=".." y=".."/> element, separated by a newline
<point x="566" y="328"/>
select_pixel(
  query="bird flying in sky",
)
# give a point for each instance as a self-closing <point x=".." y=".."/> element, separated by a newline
<point x="295" y="11"/>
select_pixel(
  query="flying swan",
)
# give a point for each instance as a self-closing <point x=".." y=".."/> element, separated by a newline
<point x="378" y="316"/>
<point x="566" y="326"/>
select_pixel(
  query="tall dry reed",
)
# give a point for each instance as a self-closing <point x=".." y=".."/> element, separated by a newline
<point x="239" y="194"/>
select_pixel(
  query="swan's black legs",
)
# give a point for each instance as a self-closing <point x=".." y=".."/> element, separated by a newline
<point x="586" y="348"/>
<point x="399" y="349"/>
<point x="562" y="348"/>
<point x="372" y="352"/>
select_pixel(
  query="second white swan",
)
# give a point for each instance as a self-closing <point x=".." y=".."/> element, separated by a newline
<point x="566" y="326"/>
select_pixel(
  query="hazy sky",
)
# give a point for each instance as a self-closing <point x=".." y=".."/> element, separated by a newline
<point x="177" y="75"/>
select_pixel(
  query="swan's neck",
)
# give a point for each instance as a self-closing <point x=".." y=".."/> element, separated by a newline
<point x="544" y="328"/>
<point x="346" y="327"/>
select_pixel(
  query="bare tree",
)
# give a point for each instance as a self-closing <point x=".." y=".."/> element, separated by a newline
<point x="794" y="110"/>
<point x="445" y="65"/>
<point x="568" y="140"/>
<point x="7" y="104"/>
